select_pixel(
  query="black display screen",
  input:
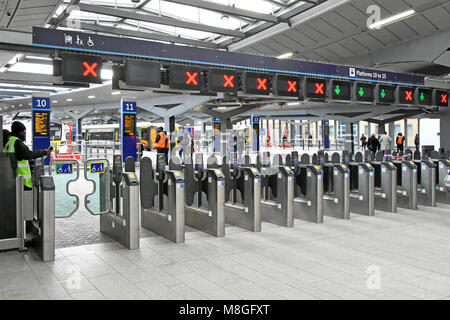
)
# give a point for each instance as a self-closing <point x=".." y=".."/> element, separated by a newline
<point x="129" y="124"/>
<point x="143" y="74"/>
<point x="81" y="68"/>
<point x="287" y="86"/>
<point x="41" y="124"/>
<point x="256" y="83"/>
<point x="405" y="95"/>
<point x="221" y="80"/>
<point x="315" y="88"/>
<point x="185" y="78"/>
<point x="441" y="98"/>
<point x="385" y="94"/>
<point x="341" y="90"/>
<point x="364" y="92"/>
<point x="423" y="96"/>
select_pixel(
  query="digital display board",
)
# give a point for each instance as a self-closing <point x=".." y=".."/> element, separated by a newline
<point x="315" y="88"/>
<point x="256" y="83"/>
<point x="286" y="86"/>
<point x="341" y="90"/>
<point x="405" y="95"/>
<point x="143" y="74"/>
<point x="221" y="80"/>
<point x="81" y="68"/>
<point x="185" y="78"/>
<point x="440" y="98"/>
<point x="363" y="92"/>
<point x="129" y="124"/>
<point x="385" y="94"/>
<point x="41" y="123"/>
<point x="423" y="97"/>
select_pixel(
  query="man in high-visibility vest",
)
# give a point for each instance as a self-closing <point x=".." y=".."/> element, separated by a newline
<point x="162" y="142"/>
<point x="400" y="141"/>
<point x="16" y="145"/>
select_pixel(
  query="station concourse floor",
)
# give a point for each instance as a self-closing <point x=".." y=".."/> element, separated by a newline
<point x="310" y="261"/>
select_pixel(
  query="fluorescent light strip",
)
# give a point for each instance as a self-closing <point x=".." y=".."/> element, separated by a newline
<point x="285" y="55"/>
<point x="392" y="19"/>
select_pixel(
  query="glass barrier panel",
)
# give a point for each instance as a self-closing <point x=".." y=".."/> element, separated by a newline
<point x="97" y="171"/>
<point x="64" y="172"/>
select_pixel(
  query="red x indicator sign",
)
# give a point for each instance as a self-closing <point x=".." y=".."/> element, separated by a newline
<point x="228" y="81"/>
<point x="292" y="86"/>
<point x="319" y="88"/>
<point x="408" y="95"/>
<point x="192" y="78"/>
<point x="262" y="84"/>
<point x="90" y="69"/>
<point x="444" y="98"/>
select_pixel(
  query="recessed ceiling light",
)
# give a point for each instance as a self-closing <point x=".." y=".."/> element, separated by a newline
<point x="20" y="105"/>
<point x="69" y="99"/>
<point x="293" y="103"/>
<point x="55" y="101"/>
<point x="115" y="93"/>
<point x="392" y="19"/>
<point x="285" y="55"/>
<point x="91" y="97"/>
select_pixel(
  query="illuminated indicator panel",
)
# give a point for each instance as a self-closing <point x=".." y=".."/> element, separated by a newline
<point x="341" y="90"/>
<point x="423" y="97"/>
<point x="363" y="92"/>
<point x="286" y="86"/>
<point x="385" y="94"/>
<point x="129" y="124"/>
<point x="41" y="124"/>
<point x="185" y="78"/>
<point x="256" y="83"/>
<point x="220" y="80"/>
<point x="81" y="68"/>
<point x="405" y="95"/>
<point x="440" y="98"/>
<point x="315" y="88"/>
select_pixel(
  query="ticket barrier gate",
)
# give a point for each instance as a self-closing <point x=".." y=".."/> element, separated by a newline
<point x="242" y="195"/>
<point x="336" y="188"/>
<point x="385" y="186"/>
<point x="162" y="200"/>
<point x="205" y="198"/>
<point x="277" y="184"/>
<point x="362" y="188"/>
<point x="426" y="180"/>
<point x="308" y="190"/>
<point x="119" y="200"/>
<point x="406" y="184"/>
<point x="442" y="193"/>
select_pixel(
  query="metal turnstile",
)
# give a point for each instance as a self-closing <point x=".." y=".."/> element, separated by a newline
<point x="442" y="194"/>
<point x="385" y="186"/>
<point x="308" y="198"/>
<point x="406" y="184"/>
<point x="362" y="186"/>
<point x="162" y="200"/>
<point x="336" y="198"/>
<point x="205" y="198"/>
<point x="426" y="189"/>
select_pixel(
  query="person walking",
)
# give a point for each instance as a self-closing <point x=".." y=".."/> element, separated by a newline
<point x="385" y="143"/>
<point x="400" y="141"/>
<point x="417" y="141"/>
<point x="373" y="144"/>
<point x="162" y="143"/>
<point x="15" y="144"/>
<point x="363" y="142"/>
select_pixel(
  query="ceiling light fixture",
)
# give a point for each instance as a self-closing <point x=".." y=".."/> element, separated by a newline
<point x="69" y="99"/>
<point x="392" y="19"/>
<point x="91" y="97"/>
<point x="115" y="93"/>
<point x="285" y="55"/>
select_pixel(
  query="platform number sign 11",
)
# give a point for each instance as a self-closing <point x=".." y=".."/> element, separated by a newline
<point x="129" y="107"/>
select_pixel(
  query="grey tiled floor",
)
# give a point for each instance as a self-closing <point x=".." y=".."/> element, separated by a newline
<point x="411" y="249"/>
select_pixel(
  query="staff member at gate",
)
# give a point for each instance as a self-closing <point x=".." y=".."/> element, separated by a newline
<point x="162" y="142"/>
<point x="400" y="141"/>
<point x="16" y="145"/>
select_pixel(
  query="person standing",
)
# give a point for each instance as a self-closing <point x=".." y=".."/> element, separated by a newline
<point x="284" y="141"/>
<point x="385" y="143"/>
<point x="162" y="142"/>
<point x="417" y="141"/>
<point x="15" y="144"/>
<point x="400" y="141"/>
<point x="363" y="142"/>
<point x="373" y="144"/>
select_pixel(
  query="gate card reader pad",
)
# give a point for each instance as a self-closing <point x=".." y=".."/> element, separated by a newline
<point x="342" y="168"/>
<point x="177" y="175"/>
<point x="287" y="171"/>
<point x="218" y="173"/>
<point x="131" y="179"/>
<point x="389" y="165"/>
<point x="316" y="170"/>
<point x="429" y="163"/>
<point x="254" y="172"/>
<point x="410" y="164"/>
<point x="367" y="167"/>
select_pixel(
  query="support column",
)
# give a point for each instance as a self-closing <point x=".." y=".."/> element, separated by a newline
<point x="1" y="133"/>
<point x="225" y="129"/>
<point x="169" y="126"/>
<point x="349" y="144"/>
<point x="79" y="134"/>
<point x="444" y="117"/>
<point x="405" y="134"/>
<point x="392" y="131"/>
<point x="381" y="128"/>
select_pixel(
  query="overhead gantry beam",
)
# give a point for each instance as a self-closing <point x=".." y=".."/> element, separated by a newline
<point x="158" y="20"/>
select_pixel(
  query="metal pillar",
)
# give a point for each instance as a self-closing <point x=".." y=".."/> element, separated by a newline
<point x="381" y="128"/>
<point x="169" y="126"/>
<point x="1" y="133"/>
<point x="349" y="145"/>
<point x="226" y="127"/>
<point x="444" y="117"/>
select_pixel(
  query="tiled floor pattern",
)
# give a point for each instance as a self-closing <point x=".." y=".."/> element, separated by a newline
<point x="409" y="250"/>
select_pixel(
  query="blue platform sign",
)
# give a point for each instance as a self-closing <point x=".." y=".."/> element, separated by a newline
<point x="255" y="133"/>
<point x="128" y="119"/>
<point x="41" y="124"/>
<point x="326" y="134"/>
<point x="217" y="128"/>
<point x="97" y="167"/>
<point x="64" y="168"/>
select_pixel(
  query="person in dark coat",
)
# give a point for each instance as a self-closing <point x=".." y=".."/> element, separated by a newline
<point x="373" y="144"/>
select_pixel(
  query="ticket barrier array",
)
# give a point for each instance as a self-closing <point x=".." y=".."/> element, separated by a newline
<point x="362" y="188"/>
<point x="385" y="192"/>
<point x="406" y="184"/>
<point x="442" y="193"/>
<point x="162" y="200"/>
<point x="242" y="195"/>
<point x="308" y="189"/>
<point x="277" y="184"/>
<point x="205" y="197"/>
<point x="426" y="182"/>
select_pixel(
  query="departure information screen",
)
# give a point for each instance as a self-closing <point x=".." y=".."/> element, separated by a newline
<point x="143" y="74"/>
<point x="41" y="126"/>
<point x="129" y="124"/>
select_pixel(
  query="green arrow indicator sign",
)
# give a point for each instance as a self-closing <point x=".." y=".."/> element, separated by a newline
<point x="337" y="90"/>
<point x="361" y="91"/>
<point x="422" y="96"/>
<point x="383" y="93"/>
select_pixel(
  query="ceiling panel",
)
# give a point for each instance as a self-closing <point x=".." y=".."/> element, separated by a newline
<point x="277" y="45"/>
<point x="288" y="41"/>
<point x="325" y="28"/>
<point x="402" y="30"/>
<point x="420" y="24"/>
<point x="368" y="41"/>
<point x="326" y="54"/>
<point x="392" y="7"/>
<point x="312" y="33"/>
<point x="340" y="50"/>
<point x="300" y="37"/>
<point x="340" y="22"/>
<point x="354" y="46"/>
<point x="384" y="36"/>
<point x="351" y="13"/>
<point x="438" y="16"/>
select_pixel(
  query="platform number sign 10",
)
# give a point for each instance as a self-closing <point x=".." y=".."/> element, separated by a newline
<point x="41" y="103"/>
<point x="129" y="107"/>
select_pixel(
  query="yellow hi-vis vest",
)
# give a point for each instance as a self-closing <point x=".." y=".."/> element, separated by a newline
<point x="23" y="167"/>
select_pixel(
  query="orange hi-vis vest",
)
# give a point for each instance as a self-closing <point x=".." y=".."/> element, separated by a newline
<point x="400" y="139"/>
<point x="162" y="143"/>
